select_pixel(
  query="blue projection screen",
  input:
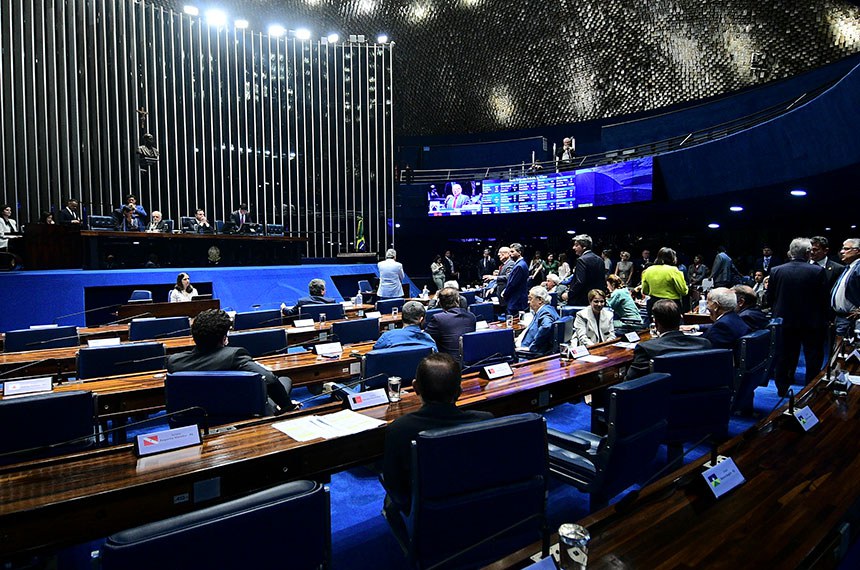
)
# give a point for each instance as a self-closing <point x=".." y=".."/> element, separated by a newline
<point x="606" y="185"/>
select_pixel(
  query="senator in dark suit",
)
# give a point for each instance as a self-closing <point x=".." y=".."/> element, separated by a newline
<point x="316" y="296"/>
<point x="667" y="319"/>
<point x="241" y="219"/>
<point x="798" y="294"/>
<point x="156" y="224"/>
<point x="767" y="261"/>
<point x="748" y="309"/>
<point x="70" y="214"/>
<point x="487" y="264"/>
<point x="447" y="327"/>
<point x="437" y="383"/>
<point x="820" y="255"/>
<point x="728" y="327"/>
<point x="212" y="353"/>
<point x="588" y="273"/>
<point x="516" y="290"/>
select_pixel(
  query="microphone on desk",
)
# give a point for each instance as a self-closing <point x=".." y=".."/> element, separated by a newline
<point x="131" y="318"/>
<point x="342" y="388"/>
<point x="180" y="332"/>
<point x="139" y="360"/>
<point x="475" y="365"/>
<point x="114" y="429"/>
<point x="50" y="340"/>
<point x="87" y="311"/>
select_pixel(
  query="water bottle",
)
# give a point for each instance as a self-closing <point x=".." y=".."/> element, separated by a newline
<point x="358" y="299"/>
<point x="425" y="293"/>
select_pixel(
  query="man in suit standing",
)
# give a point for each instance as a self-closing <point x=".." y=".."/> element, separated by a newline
<point x="487" y="264"/>
<point x="721" y="271"/>
<point x="391" y="276"/>
<point x="316" y="296"/>
<point x="437" y="384"/>
<point x="727" y="325"/>
<point x="212" y="353"/>
<point x="820" y="255"/>
<point x="70" y="214"/>
<point x="845" y="296"/>
<point x="798" y="294"/>
<point x="242" y="219"/>
<point x="588" y="274"/>
<point x="537" y="339"/>
<point x="500" y="275"/>
<point x="667" y="318"/>
<point x="767" y="261"/>
<point x="447" y="327"/>
<point x="516" y="289"/>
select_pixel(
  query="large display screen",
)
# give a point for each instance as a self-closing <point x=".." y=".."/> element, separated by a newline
<point x="606" y="185"/>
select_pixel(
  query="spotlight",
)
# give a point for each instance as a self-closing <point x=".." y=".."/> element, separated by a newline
<point x="332" y="38"/>
<point x="216" y="18"/>
<point x="241" y="24"/>
<point x="382" y="39"/>
<point x="571" y="232"/>
<point x="277" y="30"/>
<point x="601" y="218"/>
<point x="303" y="34"/>
<point x="714" y="225"/>
<point x="736" y="208"/>
<point x="396" y="225"/>
<point x="827" y="229"/>
<point x="191" y="10"/>
<point x="799" y="193"/>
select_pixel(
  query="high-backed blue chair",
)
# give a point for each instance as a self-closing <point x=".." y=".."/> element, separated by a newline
<point x="168" y="223"/>
<point x="274" y="229"/>
<point x="40" y="339"/>
<point x="752" y="369"/>
<point x="226" y="396"/>
<point x="257" y="319"/>
<point x="775" y="328"/>
<point x="553" y="299"/>
<point x="478" y="492"/>
<point x="120" y="359"/>
<point x="243" y="533"/>
<point x="570" y="310"/>
<point x="35" y="425"/>
<point x="384" y="306"/>
<point x="470" y="296"/>
<point x="701" y="395"/>
<point x="378" y="365"/>
<point x="487" y="347"/>
<point x="101" y="223"/>
<point x="332" y="311"/>
<point x="260" y="343"/>
<point x="430" y="313"/>
<point x="140" y="295"/>
<point x="483" y="311"/>
<point x="365" y="287"/>
<point x="152" y="329"/>
<point x="603" y="466"/>
<point x="355" y="330"/>
<point x="562" y="332"/>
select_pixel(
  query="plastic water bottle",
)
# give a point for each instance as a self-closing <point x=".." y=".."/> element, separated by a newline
<point x="425" y="293"/>
<point x="358" y="299"/>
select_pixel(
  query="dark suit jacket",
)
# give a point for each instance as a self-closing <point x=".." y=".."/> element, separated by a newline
<point x="447" y="327"/>
<point x="67" y="217"/>
<point x="309" y="300"/>
<point x="753" y="317"/>
<point x="726" y="331"/>
<point x="396" y="467"/>
<point x="159" y="226"/>
<point x="759" y="264"/>
<point x="672" y="341"/>
<point x="235" y="219"/>
<point x="833" y="270"/>
<point x="486" y="266"/>
<point x="516" y="291"/>
<point x="502" y="278"/>
<point x="589" y="273"/>
<point x="798" y="293"/>
<point x="200" y="229"/>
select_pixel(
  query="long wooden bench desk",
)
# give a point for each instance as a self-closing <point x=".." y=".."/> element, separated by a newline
<point x="103" y="491"/>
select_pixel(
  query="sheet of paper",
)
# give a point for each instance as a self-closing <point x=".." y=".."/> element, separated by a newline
<point x="591" y="358"/>
<point x="853" y="379"/>
<point x="297" y="330"/>
<point x="630" y="345"/>
<point x="345" y="422"/>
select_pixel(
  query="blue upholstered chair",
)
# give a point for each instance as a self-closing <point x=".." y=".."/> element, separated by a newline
<point x="140" y="295"/>
<point x="101" y="223"/>
<point x="483" y="311"/>
<point x="470" y="296"/>
<point x="152" y="329"/>
<point x="332" y="311"/>
<point x="227" y="397"/>
<point x="378" y="365"/>
<point x="355" y="330"/>
<point x="248" y="532"/>
<point x="384" y="306"/>
<point x="753" y="365"/>
<point x="699" y="404"/>
<point x="487" y="347"/>
<point x="185" y="222"/>
<point x="128" y="358"/>
<point x="41" y="339"/>
<point x="562" y="332"/>
<point x="478" y="492"/>
<point x="168" y="223"/>
<point x="260" y="343"/>
<point x="570" y="310"/>
<point x="33" y="423"/>
<point x="365" y="287"/>
<point x="603" y="466"/>
<point x="553" y="299"/>
<point x="257" y="319"/>
<point x="430" y="313"/>
<point x="274" y="229"/>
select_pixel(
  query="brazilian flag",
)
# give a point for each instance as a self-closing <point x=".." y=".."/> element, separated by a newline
<point x="359" y="234"/>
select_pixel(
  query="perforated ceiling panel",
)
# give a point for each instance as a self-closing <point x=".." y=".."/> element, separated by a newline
<point x="484" y="65"/>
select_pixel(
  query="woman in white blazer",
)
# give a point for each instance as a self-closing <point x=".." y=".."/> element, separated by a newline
<point x="593" y="324"/>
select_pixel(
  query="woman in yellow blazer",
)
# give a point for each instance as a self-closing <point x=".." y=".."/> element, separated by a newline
<point x="663" y="280"/>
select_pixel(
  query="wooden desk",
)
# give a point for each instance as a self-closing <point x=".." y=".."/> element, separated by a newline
<point x="188" y="309"/>
<point x="696" y="319"/>
<point x="104" y="491"/>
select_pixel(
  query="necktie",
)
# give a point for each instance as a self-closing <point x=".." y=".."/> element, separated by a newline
<point x="836" y="287"/>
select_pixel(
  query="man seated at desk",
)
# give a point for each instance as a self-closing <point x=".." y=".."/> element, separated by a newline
<point x="242" y="220"/>
<point x="316" y="296"/>
<point x="212" y="353"/>
<point x="200" y="225"/>
<point x="536" y="340"/>
<point x="412" y="316"/>
<point x="667" y="319"/>
<point x="127" y="222"/>
<point x="447" y="327"/>
<point x="137" y="212"/>
<point x="437" y="383"/>
<point x="156" y="224"/>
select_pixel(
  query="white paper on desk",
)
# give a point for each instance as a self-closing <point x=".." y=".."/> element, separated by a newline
<point x="853" y="379"/>
<point x="345" y="422"/>
<point x="630" y="345"/>
<point x="298" y="330"/>
<point x="591" y="358"/>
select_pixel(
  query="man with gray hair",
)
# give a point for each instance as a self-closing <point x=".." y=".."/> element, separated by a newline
<point x="391" y="276"/>
<point x="845" y="295"/>
<point x="537" y="339"/>
<point x="588" y="274"/>
<point x="727" y="326"/>
<point x="798" y="294"/>
<point x="412" y="316"/>
<point x="316" y="296"/>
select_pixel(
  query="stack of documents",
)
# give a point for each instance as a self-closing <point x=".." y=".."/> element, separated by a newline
<point x="345" y="422"/>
